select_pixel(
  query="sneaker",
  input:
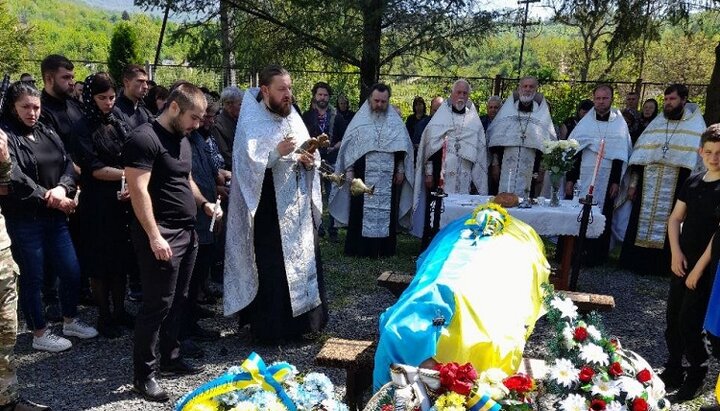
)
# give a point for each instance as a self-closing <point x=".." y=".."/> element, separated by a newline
<point x="79" y="329"/>
<point x="51" y="342"/>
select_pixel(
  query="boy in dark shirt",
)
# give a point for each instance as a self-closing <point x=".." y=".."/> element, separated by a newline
<point x="690" y="229"/>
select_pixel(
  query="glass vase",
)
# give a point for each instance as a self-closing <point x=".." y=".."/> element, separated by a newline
<point x="555" y="180"/>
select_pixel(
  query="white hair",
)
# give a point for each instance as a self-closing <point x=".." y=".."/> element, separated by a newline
<point x="462" y="81"/>
<point x="231" y="93"/>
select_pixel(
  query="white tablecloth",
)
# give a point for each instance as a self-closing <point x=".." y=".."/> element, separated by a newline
<point x="546" y="220"/>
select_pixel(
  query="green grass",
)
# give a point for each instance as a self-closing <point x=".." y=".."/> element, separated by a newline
<point x="347" y="277"/>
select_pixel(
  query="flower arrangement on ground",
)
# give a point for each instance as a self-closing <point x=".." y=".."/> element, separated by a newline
<point x="460" y="387"/>
<point x="592" y="371"/>
<point x="255" y="387"/>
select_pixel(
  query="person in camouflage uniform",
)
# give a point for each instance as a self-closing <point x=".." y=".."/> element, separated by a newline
<point x="9" y="398"/>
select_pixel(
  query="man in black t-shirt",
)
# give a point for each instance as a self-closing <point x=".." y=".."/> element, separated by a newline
<point x="158" y="163"/>
<point x="130" y="101"/>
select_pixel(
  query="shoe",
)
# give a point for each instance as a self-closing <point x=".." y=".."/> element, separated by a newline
<point x="150" y="390"/>
<point x="690" y="389"/>
<point x="179" y="366"/>
<point x="79" y="329"/>
<point x="135" y="296"/>
<point x="197" y="333"/>
<point x="22" y="404"/>
<point x="51" y="342"/>
<point x="202" y="312"/>
<point x="108" y="329"/>
<point x="53" y="313"/>
<point x="125" y="319"/>
<point x="189" y="349"/>
<point x="672" y="376"/>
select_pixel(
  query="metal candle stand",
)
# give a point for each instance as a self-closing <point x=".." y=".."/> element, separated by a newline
<point x="585" y="218"/>
<point x="437" y="208"/>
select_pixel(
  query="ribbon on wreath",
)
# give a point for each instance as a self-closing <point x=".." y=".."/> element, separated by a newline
<point x="482" y="402"/>
<point x="254" y="373"/>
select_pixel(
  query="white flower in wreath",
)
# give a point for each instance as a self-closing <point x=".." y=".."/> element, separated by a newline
<point x="573" y="143"/>
<point x="594" y="353"/>
<point x="568" y="337"/>
<point x="563" y="144"/>
<point x="566" y="307"/>
<point x="615" y="406"/>
<point x="496" y="392"/>
<point x="574" y="402"/>
<point x="593" y="332"/>
<point x="564" y="372"/>
<point x="631" y="386"/>
<point x="493" y="376"/>
<point x="604" y="388"/>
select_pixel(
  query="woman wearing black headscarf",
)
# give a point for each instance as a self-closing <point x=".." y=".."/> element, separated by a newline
<point x="104" y="207"/>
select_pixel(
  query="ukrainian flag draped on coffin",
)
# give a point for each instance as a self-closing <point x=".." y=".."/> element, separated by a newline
<point x="475" y="297"/>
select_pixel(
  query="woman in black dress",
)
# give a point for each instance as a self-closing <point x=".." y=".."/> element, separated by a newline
<point x="104" y="207"/>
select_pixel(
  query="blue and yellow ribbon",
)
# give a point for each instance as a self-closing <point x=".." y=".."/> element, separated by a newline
<point x="255" y="374"/>
<point x="482" y="402"/>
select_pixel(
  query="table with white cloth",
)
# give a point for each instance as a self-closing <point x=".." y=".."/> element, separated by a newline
<point x="547" y="221"/>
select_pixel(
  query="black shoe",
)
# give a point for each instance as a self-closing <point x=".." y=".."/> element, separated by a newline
<point x="22" y="404"/>
<point x="672" y="376"/>
<point x="150" y="390"/>
<point x="197" y="333"/>
<point x="189" y="349"/>
<point x="179" y="366"/>
<point x="125" y="319"/>
<point x="202" y="312"/>
<point x="690" y="389"/>
<point x="53" y="313"/>
<point x="108" y="329"/>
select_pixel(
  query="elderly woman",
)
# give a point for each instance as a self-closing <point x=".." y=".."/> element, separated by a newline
<point x="104" y="209"/>
<point x="42" y="185"/>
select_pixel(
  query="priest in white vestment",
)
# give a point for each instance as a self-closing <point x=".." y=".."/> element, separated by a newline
<point x="377" y="150"/>
<point x="516" y="139"/>
<point x="272" y="270"/>
<point x="453" y="150"/>
<point x="601" y="123"/>
<point x="665" y="154"/>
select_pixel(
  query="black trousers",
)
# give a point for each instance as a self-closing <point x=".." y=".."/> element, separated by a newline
<point x="200" y="274"/>
<point x="165" y="289"/>
<point x="685" y="317"/>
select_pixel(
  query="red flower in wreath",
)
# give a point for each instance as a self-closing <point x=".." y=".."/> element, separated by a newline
<point x="586" y="374"/>
<point x="639" y="404"/>
<point x="615" y="369"/>
<point x="387" y="407"/>
<point x="598" y="405"/>
<point x="459" y="379"/>
<point x="644" y="376"/>
<point x="580" y="334"/>
<point x="519" y="383"/>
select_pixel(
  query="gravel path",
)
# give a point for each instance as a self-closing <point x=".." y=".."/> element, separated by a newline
<point x="96" y="375"/>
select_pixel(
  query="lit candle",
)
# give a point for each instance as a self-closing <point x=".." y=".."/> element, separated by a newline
<point x="215" y="210"/>
<point x="601" y="153"/>
<point x="509" y="180"/>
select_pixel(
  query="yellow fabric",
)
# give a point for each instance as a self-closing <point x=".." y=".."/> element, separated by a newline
<point x="717" y="389"/>
<point x="498" y="298"/>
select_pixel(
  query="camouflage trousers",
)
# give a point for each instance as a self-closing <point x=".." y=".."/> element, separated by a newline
<point x="8" y="327"/>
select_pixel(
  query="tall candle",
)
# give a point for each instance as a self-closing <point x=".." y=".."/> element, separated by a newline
<point x="441" y="183"/>
<point x="214" y="217"/>
<point x="122" y="182"/>
<point x="601" y="153"/>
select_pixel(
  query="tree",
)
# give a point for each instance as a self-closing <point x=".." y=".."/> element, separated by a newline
<point x="14" y="41"/>
<point x="365" y="34"/>
<point x="123" y="49"/>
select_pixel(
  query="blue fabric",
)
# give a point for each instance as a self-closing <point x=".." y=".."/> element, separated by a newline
<point x="409" y="323"/>
<point x="712" y="319"/>
<point x="35" y="242"/>
<point x="203" y="173"/>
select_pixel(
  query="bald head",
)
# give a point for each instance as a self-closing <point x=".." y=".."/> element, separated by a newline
<point x="435" y="104"/>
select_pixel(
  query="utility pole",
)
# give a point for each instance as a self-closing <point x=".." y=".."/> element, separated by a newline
<point x="523" y="28"/>
<point x="162" y="34"/>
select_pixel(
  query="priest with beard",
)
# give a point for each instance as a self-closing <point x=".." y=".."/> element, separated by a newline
<point x="273" y="271"/>
<point x="453" y="143"/>
<point x="601" y="123"/>
<point x="376" y="149"/>
<point x="516" y="139"/>
<point x="665" y="154"/>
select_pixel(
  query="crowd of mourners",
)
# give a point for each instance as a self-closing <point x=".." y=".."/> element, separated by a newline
<point x="87" y="169"/>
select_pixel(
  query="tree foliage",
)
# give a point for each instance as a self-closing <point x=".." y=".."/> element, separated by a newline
<point x="124" y="49"/>
<point x="13" y="38"/>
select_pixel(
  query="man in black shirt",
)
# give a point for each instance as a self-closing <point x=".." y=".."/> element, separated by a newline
<point x="158" y="160"/>
<point x="62" y="113"/>
<point x="130" y="101"/>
